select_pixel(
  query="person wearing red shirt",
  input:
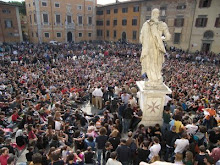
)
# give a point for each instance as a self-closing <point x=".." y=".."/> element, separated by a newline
<point x="4" y="156"/>
<point x="15" y="116"/>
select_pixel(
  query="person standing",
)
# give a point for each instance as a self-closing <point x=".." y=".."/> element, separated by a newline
<point x="127" y="116"/>
<point x="170" y="138"/>
<point x="155" y="148"/>
<point x="113" y="159"/>
<point x="98" y="97"/>
<point x="124" y="152"/>
<point x="181" y="144"/>
<point x="101" y="140"/>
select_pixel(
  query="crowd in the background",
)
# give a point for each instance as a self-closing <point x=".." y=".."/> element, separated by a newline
<point x="43" y="89"/>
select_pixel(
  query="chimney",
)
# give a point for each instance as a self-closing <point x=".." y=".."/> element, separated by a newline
<point x="117" y="1"/>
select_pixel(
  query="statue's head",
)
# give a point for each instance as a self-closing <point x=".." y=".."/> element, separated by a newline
<point x="155" y="13"/>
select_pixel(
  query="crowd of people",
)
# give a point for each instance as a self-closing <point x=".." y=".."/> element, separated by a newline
<point x="43" y="88"/>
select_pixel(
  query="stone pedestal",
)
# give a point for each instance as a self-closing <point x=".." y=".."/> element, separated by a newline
<point x="151" y="102"/>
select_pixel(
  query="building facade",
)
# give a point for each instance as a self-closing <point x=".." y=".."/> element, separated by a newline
<point x="206" y="27"/>
<point x="10" y="24"/>
<point x="61" y="20"/>
<point x="177" y="14"/>
<point x="119" y="21"/>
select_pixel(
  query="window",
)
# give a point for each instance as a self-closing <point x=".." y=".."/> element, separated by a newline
<point x="32" y="34"/>
<point x="148" y="8"/>
<point x="148" y="17"/>
<point x="108" y="11"/>
<point x="80" y="20"/>
<point x="33" y="3"/>
<point x="47" y="35"/>
<point x="35" y="18"/>
<point x="179" y="22"/>
<point x="30" y="19"/>
<point x="134" y="35"/>
<point x="57" y="19"/>
<point x="115" y="10"/>
<point x="10" y="34"/>
<point x="99" y="23"/>
<point x="208" y="34"/>
<point x="57" y="5"/>
<point x="89" y="8"/>
<point x="217" y="22"/>
<point x="136" y="9"/>
<point x="99" y="12"/>
<point x="124" y="10"/>
<point x="163" y="8"/>
<point x="89" y="34"/>
<point x="6" y="11"/>
<point x="181" y="7"/>
<point x="201" y="21"/>
<point x="205" y="3"/>
<point x="45" y="18"/>
<point x="99" y="33"/>
<point x="124" y="22"/>
<point x="134" y="22"/>
<point x="90" y="20"/>
<point x="115" y="22"/>
<point x="44" y="3"/>
<point x="177" y="38"/>
<point x="58" y="35"/>
<point x="36" y="34"/>
<point x="163" y="18"/>
<point x="69" y="19"/>
<point x="107" y="33"/>
<point x="80" y="34"/>
<point x="8" y="23"/>
<point x="107" y="22"/>
<point x="115" y="34"/>
<point x="79" y="7"/>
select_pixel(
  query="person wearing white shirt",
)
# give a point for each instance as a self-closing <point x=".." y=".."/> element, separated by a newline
<point x="117" y="91"/>
<point x="191" y="129"/>
<point x="98" y="97"/>
<point x="181" y="144"/>
<point x="112" y="160"/>
<point x="155" y="148"/>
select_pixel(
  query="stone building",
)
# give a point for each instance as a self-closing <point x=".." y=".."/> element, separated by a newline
<point x="124" y="20"/>
<point x="206" y="27"/>
<point x="10" y="25"/>
<point x="61" y="20"/>
<point x="177" y="14"/>
<point x="119" y="21"/>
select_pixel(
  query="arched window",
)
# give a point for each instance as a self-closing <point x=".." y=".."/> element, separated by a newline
<point x="208" y="34"/>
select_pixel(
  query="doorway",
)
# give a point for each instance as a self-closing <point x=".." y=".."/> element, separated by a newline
<point x="206" y="47"/>
<point x="124" y="36"/>
<point x="69" y="37"/>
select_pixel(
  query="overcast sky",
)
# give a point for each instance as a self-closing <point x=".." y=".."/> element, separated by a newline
<point x="99" y="1"/>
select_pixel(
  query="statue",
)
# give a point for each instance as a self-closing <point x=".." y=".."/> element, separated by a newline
<point x="153" y="50"/>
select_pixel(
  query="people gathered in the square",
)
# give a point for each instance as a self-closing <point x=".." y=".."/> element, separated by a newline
<point x="45" y="88"/>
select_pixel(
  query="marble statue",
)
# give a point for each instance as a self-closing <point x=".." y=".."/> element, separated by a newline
<point x="153" y="50"/>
